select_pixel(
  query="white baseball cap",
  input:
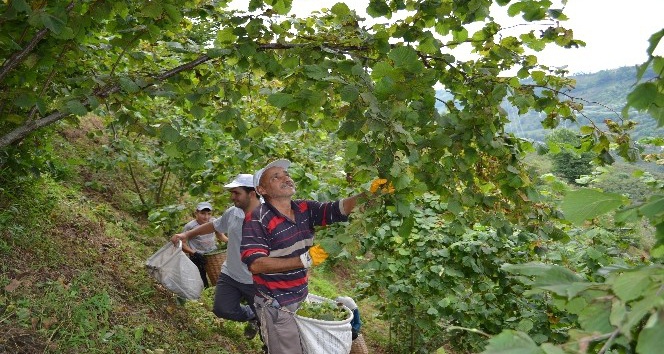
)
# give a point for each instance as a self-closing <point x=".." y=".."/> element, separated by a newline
<point x="241" y="180"/>
<point x="283" y="163"/>
<point x="203" y="205"/>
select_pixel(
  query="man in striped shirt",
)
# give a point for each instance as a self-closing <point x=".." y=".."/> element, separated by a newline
<point x="276" y="241"/>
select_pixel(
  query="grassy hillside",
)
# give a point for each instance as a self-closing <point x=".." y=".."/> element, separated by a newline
<point x="73" y="279"/>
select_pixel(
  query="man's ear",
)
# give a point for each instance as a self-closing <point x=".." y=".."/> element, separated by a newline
<point x="260" y="190"/>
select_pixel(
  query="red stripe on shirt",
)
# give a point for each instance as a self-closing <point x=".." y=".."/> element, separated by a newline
<point x="282" y="284"/>
<point x="274" y="223"/>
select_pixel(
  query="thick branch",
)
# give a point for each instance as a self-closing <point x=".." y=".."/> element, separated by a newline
<point x="18" y="57"/>
<point x="102" y="93"/>
<point x="22" y="131"/>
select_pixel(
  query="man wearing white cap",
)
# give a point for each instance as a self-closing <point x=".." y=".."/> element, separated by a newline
<point x="195" y="247"/>
<point x="277" y="242"/>
<point x="235" y="281"/>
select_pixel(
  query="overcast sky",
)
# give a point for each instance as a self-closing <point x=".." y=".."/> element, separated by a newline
<point x="616" y="32"/>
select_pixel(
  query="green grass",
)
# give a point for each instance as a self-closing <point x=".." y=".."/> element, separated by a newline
<point x="72" y="267"/>
<point x="74" y="279"/>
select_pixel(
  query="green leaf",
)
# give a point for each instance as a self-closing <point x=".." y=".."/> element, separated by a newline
<point x="196" y="159"/>
<point x="290" y="126"/>
<point x="460" y="35"/>
<point x="218" y="52"/>
<point x="586" y="204"/>
<point x="349" y="93"/>
<point x="641" y="308"/>
<point x="316" y="72"/>
<point x="552" y="349"/>
<point x="378" y="8"/>
<point x="351" y="149"/>
<point x="654" y="208"/>
<point x="21" y="6"/>
<point x="281" y="7"/>
<point x="650" y="338"/>
<point x="406" y="57"/>
<point x="557" y="279"/>
<point x="525" y="325"/>
<point x="630" y="285"/>
<point x="595" y="317"/>
<point x="280" y="99"/>
<point x="658" y="252"/>
<point x="340" y="9"/>
<point x="226" y="36"/>
<point x="172" y="151"/>
<point x="53" y="23"/>
<point x="168" y="133"/>
<point x="643" y="95"/>
<point x="512" y="342"/>
<point x="152" y="9"/>
<point x="654" y="41"/>
<point x="618" y="312"/>
<point x="197" y="111"/>
<point x="128" y="85"/>
<point x="25" y="100"/>
<point x="576" y="305"/>
<point x="77" y="108"/>
<point x="515" y="8"/>
<point x="173" y="13"/>
<point x="538" y="75"/>
<point x="406" y="227"/>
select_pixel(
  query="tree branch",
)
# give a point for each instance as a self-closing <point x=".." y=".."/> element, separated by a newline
<point x="18" y="57"/>
<point x="102" y="93"/>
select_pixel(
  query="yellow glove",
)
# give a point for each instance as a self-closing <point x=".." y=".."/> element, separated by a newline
<point x="386" y="187"/>
<point x="318" y="254"/>
<point x="313" y="257"/>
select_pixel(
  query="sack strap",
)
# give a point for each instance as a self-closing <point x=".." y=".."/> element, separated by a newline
<point x="272" y="302"/>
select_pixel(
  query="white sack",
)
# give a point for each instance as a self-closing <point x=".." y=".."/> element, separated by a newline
<point x="175" y="271"/>
<point x="325" y="337"/>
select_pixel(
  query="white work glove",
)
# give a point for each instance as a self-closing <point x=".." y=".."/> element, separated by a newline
<point x="313" y="257"/>
<point x="346" y="301"/>
<point x="306" y="260"/>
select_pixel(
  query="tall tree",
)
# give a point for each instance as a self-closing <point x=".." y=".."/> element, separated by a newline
<point x="174" y="71"/>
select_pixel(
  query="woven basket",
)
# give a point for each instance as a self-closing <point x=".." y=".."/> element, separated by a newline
<point x="359" y="346"/>
<point x="213" y="262"/>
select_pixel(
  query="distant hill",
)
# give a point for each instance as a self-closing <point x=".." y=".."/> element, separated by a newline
<point x="603" y="95"/>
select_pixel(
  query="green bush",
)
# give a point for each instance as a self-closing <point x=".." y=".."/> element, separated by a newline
<point x="432" y="282"/>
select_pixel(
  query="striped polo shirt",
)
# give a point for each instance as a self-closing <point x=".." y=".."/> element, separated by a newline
<point x="268" y="233"/>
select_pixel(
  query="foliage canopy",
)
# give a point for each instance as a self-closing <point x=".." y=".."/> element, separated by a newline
<point x="193" y="90"/>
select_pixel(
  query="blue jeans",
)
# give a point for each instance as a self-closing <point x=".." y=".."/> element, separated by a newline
<point x="228" y="297"/>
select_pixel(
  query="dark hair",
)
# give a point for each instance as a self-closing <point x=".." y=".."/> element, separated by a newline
<point x="250" y="189"/>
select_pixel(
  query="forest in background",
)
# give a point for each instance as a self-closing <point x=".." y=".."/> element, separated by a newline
<point x="603" y="95"/>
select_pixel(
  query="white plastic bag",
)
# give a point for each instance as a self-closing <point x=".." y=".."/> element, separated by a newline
<point x="324" y="337"/>
<point x="175" y="271"/>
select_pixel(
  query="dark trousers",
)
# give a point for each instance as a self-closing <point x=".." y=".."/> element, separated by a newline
<point x="228" y="296"/>
<point x="199" y="260"/>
